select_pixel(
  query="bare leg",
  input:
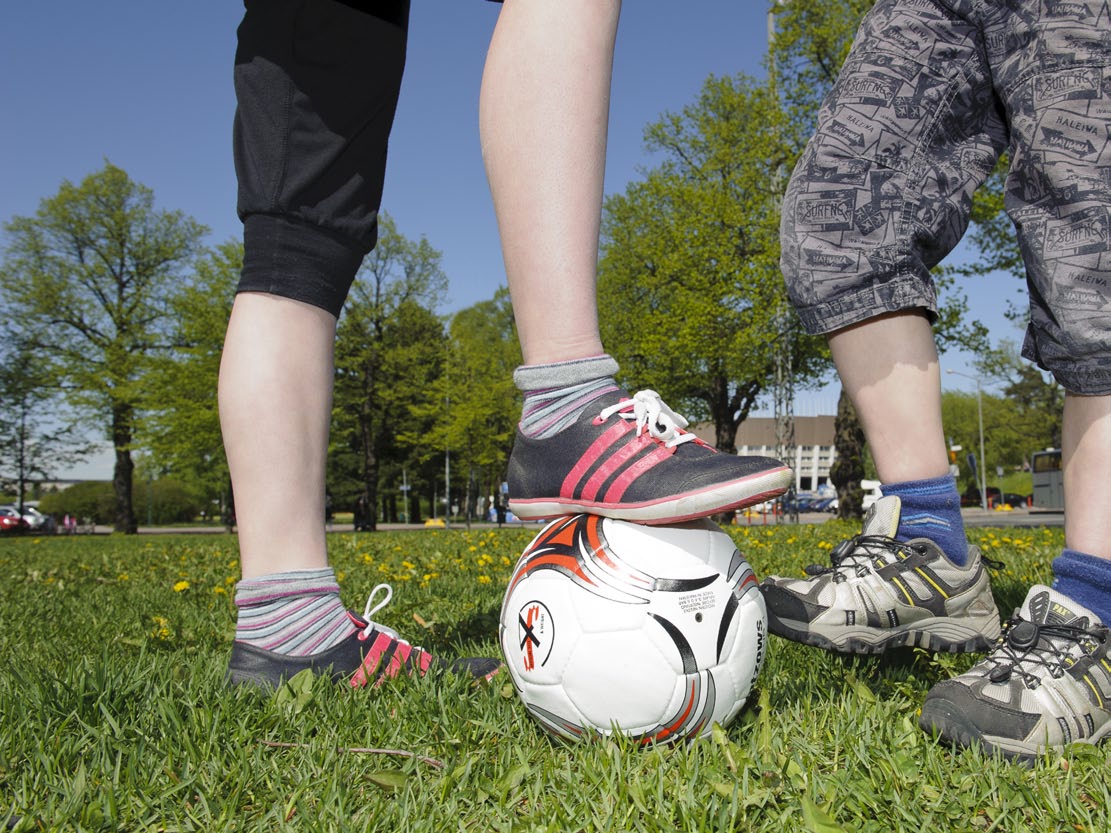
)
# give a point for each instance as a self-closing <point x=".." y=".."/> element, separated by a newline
<point x="889" y="368"/>
<point x="544" y="116"/>
<point x="1086" y="455"/>
<point x="275" y="405"/>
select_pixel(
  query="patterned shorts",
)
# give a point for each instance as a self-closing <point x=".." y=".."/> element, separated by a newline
<point x="930" y="96"/>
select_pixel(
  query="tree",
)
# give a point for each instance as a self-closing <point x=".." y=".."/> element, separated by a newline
<point x="183" y="424"/>
<point x="690" y="260"/>
<point x="389" y="354"/>
<point x="480" y="422"/>
<point x="37" y="436"/>
<point x="88" y="278"/>
<point x="1036" y="400"/>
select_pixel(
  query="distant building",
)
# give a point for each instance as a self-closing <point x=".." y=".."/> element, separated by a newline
<point x="814" y="450"/>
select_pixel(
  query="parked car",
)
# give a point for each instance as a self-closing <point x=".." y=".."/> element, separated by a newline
<point x="10" y="521"/>
<point x="36" y="520"/>
<point x="971" y="496"/>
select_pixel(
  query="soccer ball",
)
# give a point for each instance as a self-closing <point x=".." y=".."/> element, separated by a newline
<point x="654" y="632"/>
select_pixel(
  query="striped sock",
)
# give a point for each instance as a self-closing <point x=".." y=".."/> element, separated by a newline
<point x="1085" y="579"/>
<point x="556" y="394"/>
<point x="932" y="509"/>
<point x="296" y="613"/>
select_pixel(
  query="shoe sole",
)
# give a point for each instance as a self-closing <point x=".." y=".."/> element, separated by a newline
<point x="725" y="497"/>
<point x="946" y="722"/>
<point x="939" y="634"/>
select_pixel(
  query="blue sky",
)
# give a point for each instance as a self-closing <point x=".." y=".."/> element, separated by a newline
<point x="147" y="85"/>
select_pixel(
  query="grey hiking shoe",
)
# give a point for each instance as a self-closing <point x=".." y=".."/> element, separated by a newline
<point x="881" y="593"/>
<point x="1047" y="684"/>
<point x="630" y="458"/>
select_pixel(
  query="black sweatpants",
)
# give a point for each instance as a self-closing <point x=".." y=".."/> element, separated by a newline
<point x="316" y="85"/>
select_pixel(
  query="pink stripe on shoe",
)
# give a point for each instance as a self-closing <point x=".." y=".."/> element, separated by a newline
<point x="591" y="455"/>
<point x="611" y="466"/>
<point x="629" y="476"/>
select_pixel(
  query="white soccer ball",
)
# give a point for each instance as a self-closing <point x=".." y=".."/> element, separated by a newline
<point x="656" y="632"/>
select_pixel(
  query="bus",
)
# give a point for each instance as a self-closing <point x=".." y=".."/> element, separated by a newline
<point x="1049" y="480"/>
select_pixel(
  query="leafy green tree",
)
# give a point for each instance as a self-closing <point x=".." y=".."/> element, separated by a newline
<point x="390" y="351"/>
<point x="689" y="277"/>
<point x="183" y="424"/>
<point x="1037" y="401"/>
<point x="92" y="501"/>
<point x="484" y="404"/>
<point x="89" y="279"/>
<point x="37" y="435"/>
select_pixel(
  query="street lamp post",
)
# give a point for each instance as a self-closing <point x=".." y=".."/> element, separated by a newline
<point x="980" y="412"/>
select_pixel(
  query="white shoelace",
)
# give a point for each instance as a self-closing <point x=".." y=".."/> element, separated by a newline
<point x="372" y="608"/>
<point x="654" y="416"/>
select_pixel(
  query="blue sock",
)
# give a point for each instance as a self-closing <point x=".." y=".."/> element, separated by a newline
<point x="932" y="509"/>
<point x="1084" y="579"/>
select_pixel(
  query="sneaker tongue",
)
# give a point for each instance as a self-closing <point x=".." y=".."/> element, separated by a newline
<point x="883" y="517"/>
<point x="1045" y="606"/>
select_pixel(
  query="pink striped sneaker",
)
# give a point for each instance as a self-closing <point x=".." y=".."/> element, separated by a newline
<point x="631" y="459"/>
<point x="369" y="657"/>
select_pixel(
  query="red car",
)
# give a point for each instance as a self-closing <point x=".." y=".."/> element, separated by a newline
<point x="11" y="522"/>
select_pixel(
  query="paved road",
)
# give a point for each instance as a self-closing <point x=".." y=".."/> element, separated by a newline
<point x="972" y="518"/>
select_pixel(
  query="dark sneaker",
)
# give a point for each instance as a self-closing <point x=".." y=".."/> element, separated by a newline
<point x="631" y="459"/>
<point x="881" y="593"/>
<point x="371" y="655"/>
<point x="1047" y="684"/>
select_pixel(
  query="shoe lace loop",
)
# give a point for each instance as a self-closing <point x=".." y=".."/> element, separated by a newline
<point x="372" y="607"/>
<point x="850" y="552"/>
<point x="1024" y="643"/>
<point x="654" y="416"/>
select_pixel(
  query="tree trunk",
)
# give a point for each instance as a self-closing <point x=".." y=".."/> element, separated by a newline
<point x="122" y="471"/>
<point x="848" y="469"/>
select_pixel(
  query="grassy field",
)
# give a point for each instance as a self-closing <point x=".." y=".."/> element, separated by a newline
<point x="114" y="715"/>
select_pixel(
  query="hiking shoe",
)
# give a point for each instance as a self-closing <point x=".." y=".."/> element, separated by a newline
<point x="880" y="593"/>
<point x="368" y="657"/>
<point x="1047" y="684"/>
<point x="631" y="459"/>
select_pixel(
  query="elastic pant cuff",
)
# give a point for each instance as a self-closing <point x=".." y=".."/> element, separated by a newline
<point x="299" y="261"/>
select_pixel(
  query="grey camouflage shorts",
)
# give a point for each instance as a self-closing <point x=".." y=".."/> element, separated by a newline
<point x="932" y="92"/>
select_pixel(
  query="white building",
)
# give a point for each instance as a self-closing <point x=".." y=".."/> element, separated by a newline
<point x="814" y="451"/>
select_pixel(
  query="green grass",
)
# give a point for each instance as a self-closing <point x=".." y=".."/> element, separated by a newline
<point x="114" y="715"/>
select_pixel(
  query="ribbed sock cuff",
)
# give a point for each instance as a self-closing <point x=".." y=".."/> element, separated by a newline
<point x="1084" y="579"/>
<point x="532" y="377"/>
<point x="288" y="585"/>
<point x="931" y="509"/>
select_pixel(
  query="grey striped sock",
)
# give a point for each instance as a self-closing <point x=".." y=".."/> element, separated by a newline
<point x="296" y="613"/>
<point x="556" y="394"/>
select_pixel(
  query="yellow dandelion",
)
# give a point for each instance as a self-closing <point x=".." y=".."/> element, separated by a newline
<point x="484" y="579"/>
<point x="181" y="586"/>
<point x="122" y="577"/>
<point x="219" y="591"/>
<point x="161" y="627"/>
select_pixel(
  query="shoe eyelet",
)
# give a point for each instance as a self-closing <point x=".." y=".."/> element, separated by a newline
<point x="598" y="420"/>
